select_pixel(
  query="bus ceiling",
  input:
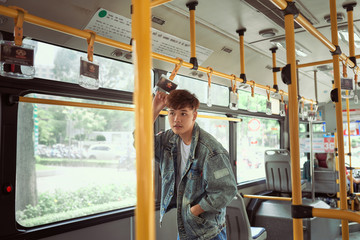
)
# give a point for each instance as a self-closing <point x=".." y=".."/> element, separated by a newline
<point x="217" y="39"/>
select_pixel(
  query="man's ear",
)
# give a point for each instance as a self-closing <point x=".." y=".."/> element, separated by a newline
<point x="195" y="115"/>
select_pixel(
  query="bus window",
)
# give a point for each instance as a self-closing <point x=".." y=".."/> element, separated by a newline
<point x="259" y="103"/>
<point x="61" y="64"/>
<point x="219" y="94"/>
<point x="255" y="135"/>
<point x="217" y="128"/>
<point x="72" y="161"/>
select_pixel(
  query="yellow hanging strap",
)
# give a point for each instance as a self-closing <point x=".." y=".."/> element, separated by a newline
<point x="344" y="70"/>
<point x="302" y="103"/>
<point x="268" y="92"/>
<point x="90" y="41"/>
<point x="355" y="78"/>
<point x="281" y="92"/>
<point x="252" y="85"/>
<point x="311" y="106"/>
<point x="233" y="85"/>
<point x="18" y="29"/>
<point x="176" y="69"/>
<point x="209" y="74"/>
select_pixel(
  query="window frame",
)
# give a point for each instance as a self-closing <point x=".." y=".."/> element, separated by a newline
<point x="9" y="110"/>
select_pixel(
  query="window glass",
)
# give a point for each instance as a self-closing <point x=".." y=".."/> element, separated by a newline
<point x="219" y="94"/>
<point x="61" y="64"/>
<point x="319" y="127"/>
<point x="255" y="135"/>
<point x="72" y="161"/>
<point x="217" y="128"/>
<point x="302" y="127"/>
<point x="258" y="101"/>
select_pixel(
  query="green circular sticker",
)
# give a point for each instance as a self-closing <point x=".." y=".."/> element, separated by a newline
<point x="102" y="13"/>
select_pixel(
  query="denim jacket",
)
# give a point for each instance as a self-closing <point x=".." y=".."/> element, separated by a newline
<point x="207" y="180"/>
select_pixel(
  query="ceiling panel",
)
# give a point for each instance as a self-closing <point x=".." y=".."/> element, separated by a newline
<point x="217" y="22"/>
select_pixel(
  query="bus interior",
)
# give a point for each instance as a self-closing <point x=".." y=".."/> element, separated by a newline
<point x="69" y="168"/>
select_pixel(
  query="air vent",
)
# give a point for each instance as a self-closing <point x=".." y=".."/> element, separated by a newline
<point x="339" y="16"/>
<point x="226" y="49"/>
<point x="157" y="20"/>
<point x="268" y="67"/>
<point x="274" y="13"/>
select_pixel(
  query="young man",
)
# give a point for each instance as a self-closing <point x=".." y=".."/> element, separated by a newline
<point x="197" y="177"/>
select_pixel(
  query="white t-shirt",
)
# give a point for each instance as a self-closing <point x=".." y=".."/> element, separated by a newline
<point x="185" y="151"/>
<point x="184" y="155"/>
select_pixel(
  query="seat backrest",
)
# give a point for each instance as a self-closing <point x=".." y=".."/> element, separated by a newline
<point x="278" y="171"/>
<point x="237" y="221"/>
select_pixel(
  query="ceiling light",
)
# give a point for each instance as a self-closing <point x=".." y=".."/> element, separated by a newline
<point x="343" y="34"/>
<point x="326" y="69"/>
<point x="268" y="33"/>
<point x="300" y="50"/>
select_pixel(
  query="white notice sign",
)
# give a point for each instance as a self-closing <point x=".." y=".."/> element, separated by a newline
<point x="117" y="27"/>
<point x="320" y="145"/>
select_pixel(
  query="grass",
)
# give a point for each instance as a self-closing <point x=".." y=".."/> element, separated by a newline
<point x="41" y="167"/>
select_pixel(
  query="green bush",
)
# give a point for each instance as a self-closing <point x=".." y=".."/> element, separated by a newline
<point x="61" y="205"/>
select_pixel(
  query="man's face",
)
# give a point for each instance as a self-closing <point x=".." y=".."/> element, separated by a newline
<point x="182" y="120"/>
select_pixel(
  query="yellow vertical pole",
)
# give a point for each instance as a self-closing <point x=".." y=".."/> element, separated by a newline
<point x="349" y="141"/>
<point x="193" y="59"/>
<point x="273" y="51"/>
<point x="349" y="9"/>
<point x="242" y="53"/>
<point x="144" y="134"/>
<point x="337" y="167"/>
<point x="339" y="120"/>
<point x="293" y="123"/>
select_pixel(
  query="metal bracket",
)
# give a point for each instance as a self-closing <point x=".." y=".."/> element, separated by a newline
<point x="286" y="74"/>
<point x="243" y="77"/>
<point x="194" y="62"/>
<point x="353" y="59"/>
<point x="276" y="69"/>
<point x="276" y="87"/>
<point x="337" y="51"/>
<point x="350" y="6"/>
<point x="273" y="49"/>
<point x="241" y="31"/>
<point x="291" y="9"/>
<point x="334" y="95"/>
<point x="301" y="211"/>
<point x="192" y="5"/>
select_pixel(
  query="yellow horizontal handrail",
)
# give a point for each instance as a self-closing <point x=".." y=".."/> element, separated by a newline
<point x="267" y="197"/>
<point x="211" y="117"/>
<point x="107" y="107"/>
<point x="336" y="213"/>
<point x="73" y="104"/>
<point x="6" y="11"/>
<point x="155" y="3"/>
<point x="318" y="63"/>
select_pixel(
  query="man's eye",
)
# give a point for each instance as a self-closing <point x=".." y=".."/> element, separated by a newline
<point x="183" y="114"/>
<point x="171" y="113"/>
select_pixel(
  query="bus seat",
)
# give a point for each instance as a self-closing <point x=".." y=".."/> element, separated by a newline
<point x="238" y="225"/>
<point x="278" y="171"/>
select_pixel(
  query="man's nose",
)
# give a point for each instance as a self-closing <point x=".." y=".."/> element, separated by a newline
<point x="176" y="118"/>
